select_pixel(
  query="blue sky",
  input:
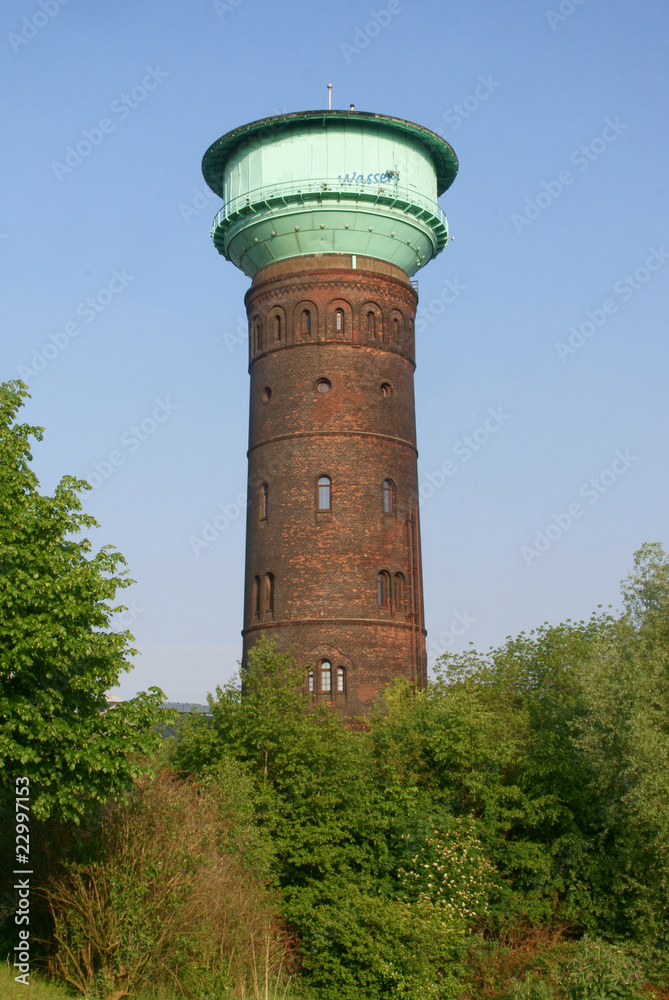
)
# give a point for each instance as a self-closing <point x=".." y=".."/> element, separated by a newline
<point x="541" y="379"/>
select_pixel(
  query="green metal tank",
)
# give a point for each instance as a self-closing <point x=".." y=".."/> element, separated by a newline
<point x="343" y="182"/>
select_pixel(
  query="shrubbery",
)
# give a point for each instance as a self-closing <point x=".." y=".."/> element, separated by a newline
<point x="157" y="897"/>
<point x="503" y="834"/>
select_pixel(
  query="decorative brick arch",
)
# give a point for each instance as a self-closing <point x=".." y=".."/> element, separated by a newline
<point x="305" y="308"/>
<point x="344" y="307"/>
<point x="371" y="323"/>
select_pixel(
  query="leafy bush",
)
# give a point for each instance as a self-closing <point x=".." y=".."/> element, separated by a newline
<point x="524" y="964"/>
<point x="601" y="971"/>
<point x="158" y="900"/>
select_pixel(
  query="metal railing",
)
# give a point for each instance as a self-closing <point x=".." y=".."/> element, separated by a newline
<point x="325" y="189"/>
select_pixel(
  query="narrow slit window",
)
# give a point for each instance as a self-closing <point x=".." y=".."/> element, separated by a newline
<point x="371" y="325"/>
<point x="277" y="328"/>
<point x="400" y="593"/>
<point x="339" y="320"/>
<point x="326" y="676"/>
<point x="324" y="491"/>
<point x="383" y="589"/>
<point x="341" y="680"/>
<point x="306" y="322"/>
<point x="264" y="501"/>
<point x="257" y="336"/>
<point x="388" y="496"/>
<point x="396" y="330"/>
<point x="310" y="681"/>
<point x="269" y="593"/>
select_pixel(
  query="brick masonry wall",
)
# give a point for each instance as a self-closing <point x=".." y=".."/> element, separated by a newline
<point x="360" y="432"/>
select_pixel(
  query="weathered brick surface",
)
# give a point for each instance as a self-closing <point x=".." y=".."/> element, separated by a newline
<point x="360" y="432"/>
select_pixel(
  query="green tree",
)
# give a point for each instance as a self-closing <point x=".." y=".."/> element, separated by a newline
<point x="623" y="732"/>
<point x="646" y="589"/>
<point x="338" y="833"/>
<point x="59" y="653"/>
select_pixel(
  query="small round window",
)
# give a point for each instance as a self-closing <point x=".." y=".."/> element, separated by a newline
<point x="386" y="388"/>
<point x="324" y="385"/>
<point x="266" y="394"/>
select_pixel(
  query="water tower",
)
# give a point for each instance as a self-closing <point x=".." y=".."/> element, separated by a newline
<point x="331" y="213"/>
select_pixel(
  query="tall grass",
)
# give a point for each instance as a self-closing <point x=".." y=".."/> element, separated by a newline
<point x="39" y="989"/>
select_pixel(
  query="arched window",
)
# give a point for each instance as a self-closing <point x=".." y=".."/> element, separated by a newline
<point x="277" y="327"/>
<point x="257" y="335"/>
<point x="371" y="325"/>
<point x="341" y="680"/>
<point x="324" y="485"/>
<point x="326" y="676"/>
<point x="310" y="681"/>
<point x="388" y="496"/>
<point x="306" y="322"/>
<point x="396" y="330"/>
<point x="255" y="597"/>
<point x="264" y="501"/>
<point x="339" y="320"/>
<point x="383" y="589"/>
<point x="269" y="593"/>
<point x="400" y="593"/>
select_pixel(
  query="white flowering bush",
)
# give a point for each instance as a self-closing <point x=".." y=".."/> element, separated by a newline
<point x="452" y="872"/>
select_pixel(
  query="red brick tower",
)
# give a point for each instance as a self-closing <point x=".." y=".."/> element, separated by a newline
<point x="333" y="545"/>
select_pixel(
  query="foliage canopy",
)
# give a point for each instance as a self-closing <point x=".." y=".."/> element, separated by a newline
<point x="59" y="653"/>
